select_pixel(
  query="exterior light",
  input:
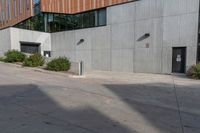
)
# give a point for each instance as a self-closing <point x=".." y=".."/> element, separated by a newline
<point x="145" y="36"/>
<point x="81" y="41"/>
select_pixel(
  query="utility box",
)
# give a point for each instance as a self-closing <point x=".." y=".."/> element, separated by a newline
<point x="47" y="54"/>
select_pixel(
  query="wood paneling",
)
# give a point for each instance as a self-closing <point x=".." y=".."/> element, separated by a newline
<point x="76" y="6"/>
<point x="23" y="11"/>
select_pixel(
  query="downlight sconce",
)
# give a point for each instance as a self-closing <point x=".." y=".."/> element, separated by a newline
<point x="80" y="41"/>
<point x="145" y="36"/>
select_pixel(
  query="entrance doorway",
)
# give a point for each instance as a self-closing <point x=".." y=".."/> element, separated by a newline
<point x="179" y="60"/>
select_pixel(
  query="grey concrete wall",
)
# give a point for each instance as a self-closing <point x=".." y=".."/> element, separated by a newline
<point x="10" y="39"/>
<point x="4" y="41"/>
<point x="18" y="35"/>
<point x="180" y="29"/>
<point x="116" y="47"/>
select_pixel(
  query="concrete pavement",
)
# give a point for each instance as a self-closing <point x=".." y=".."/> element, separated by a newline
<point x="104" y="102"/>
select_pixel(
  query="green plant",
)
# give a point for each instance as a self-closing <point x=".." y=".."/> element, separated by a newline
<point x="34" y="61"/>
<point x="2" y="59"/>
<point x="59" y="64"/>
<point x="194" y="71"/>
<point x="14" y="56"/>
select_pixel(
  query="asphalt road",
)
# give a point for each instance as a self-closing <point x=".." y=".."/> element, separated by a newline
<point x="103" y="102"/>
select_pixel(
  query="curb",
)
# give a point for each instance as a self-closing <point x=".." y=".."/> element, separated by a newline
<point x="36" y="69"/>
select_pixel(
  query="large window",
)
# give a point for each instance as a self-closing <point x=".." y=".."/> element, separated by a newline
<point x="36" y="5"/>
<point x="102" y="17"/>
<point x="49" y="22"/>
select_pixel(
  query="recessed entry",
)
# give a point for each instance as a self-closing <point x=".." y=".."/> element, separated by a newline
<point x="30" y="47"/>
<point x="179" y="60"/>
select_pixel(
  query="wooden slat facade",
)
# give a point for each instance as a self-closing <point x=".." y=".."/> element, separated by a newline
<point x="76" y="6"/>
<point x="25" y="10"/>
<point x="11" y="15"/>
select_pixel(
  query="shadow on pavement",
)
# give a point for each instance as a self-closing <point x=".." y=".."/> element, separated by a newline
<point x="157" y="104"/>
<point x="26" y="109"/>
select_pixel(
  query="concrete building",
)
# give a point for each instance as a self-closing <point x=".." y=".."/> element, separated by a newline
<point x="151" y="36"/>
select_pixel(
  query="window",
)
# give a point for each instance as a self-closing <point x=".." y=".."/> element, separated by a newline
<point x="36" y="4"/>
<point x="102" y="17"/>
<point x="62" y="22"/>
<point x="78" y="21"/>
<point x="56" y="23"/>
<point x="88" y="19"/>
<point x="69" y="22"/>
<point x="50" y="22"/>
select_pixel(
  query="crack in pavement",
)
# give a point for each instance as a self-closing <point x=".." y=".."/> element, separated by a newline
<point x="178" y="105"/>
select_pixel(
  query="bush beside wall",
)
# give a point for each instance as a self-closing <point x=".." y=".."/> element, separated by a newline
<point x="59" y="64"/>
<point x="34" y="61"/>
<point x="14" y="56"/>
<point x="194" y="71"/>
<point x="2" y="59"/>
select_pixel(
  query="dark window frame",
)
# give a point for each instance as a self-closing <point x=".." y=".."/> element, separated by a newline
<point x="30" y="47"/>
<point x="78" y="21"/>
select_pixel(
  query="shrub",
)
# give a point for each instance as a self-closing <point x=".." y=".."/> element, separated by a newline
<point x="14" y="56"/>
<point x="191" y="71"/>
<point x="34" y="61"/>
<point x="2" y="59"/>
<point x="59" y="64"/>
<point x="194" y="71"/>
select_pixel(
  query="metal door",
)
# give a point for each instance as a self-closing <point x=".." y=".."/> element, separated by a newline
<point x="179" y="60"/>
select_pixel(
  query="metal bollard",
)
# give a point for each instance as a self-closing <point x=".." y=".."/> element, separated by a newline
<point x="81" y="68"/>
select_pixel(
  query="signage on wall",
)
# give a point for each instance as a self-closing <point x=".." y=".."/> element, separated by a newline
<point x="147" y="45"/>
<point x="47" y="54"/>
<point x="178" y="58"/>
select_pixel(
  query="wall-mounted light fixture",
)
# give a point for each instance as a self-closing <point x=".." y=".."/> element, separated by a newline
<point x="145" y="36"/>
<point x="80" y="41"/>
